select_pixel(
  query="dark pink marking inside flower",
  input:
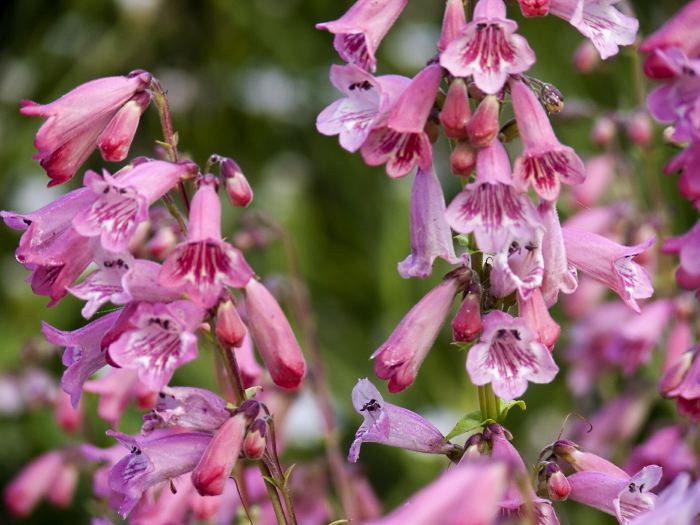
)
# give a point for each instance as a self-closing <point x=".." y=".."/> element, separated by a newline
<point x="202" y="262"/>
<point x="507" y="354"/>
<point x="492" y="202"/>
<point x="543" y="170"/>
<point x="489" y="47"/>
<point x="355" y="49"/>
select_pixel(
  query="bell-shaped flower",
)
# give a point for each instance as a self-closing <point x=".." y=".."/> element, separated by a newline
<point x="508" y="356"/>
<point x="122" y="200"/>
<point x="558" y="275"/>
<point x="152" y="461"/>
<point x="687" y="246"/>
<point x="392" y="425"/>
<point x="400" y="141"/>
<point x="399" y="358"/>
<point x="273" y="336"/>
<point x="361" y="29"/>
<point x="490" y="207"/>
<point x="610" y="263"/>
<point x="430" y="235"/>
<point x="545" y="163"/>
<point x="681" y="381"/>
<point x="599" y="21"/>
<point x="101" y="113"/>
<point x="160" y="338"/>
<point x="520" y="266"/>
<point x="367" y="99"/>
<point x="535" y="313"/>
<point x="204" y="264"/>
<point x="488" y="49"/>
<point x="186" y="407"/>
<point x="117" y="388"/>
<point x="83" y="354"/>
<point x="679" y="504"/>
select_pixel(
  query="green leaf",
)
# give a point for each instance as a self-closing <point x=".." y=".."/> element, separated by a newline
<point x="470" y="421"/>
<point x="270" y="481"/>
<point x="339" y="522"/>
<point x="507" y="405"/>
<point x="250" y="392"/>
<point x="288" y="472"/>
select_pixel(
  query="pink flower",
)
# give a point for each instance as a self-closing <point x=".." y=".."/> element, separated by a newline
<point x="687" y="246"/>
<point x="454" y="21"/>
<point x="455" y="113"/>
<point x="367" y="99"/>
<point x="599" y="173"/>
<point x="681" y="381"/>
<point x="545" y="162"/>
<point x="101" y="113"/>
<point x="399" y="141"/>
<point x="34" y="482"/>
<point x="534" y="312"/>
<point x="558" y="275"/>
<point x="534" y="7"/>
<point x="238" y="190"/>
<point x="598" y="21"/>
<point x="361" y="29"/>
<point x="519" y="266"/>
<point x="679" y="504"/>
<point x="117" y="388"/>
<point x="230" y="329"/>
<point x="488" y="49"/>
<point x="508" y="356"/>
<point x="186" y="407"/>
<point x="204" y="264"/>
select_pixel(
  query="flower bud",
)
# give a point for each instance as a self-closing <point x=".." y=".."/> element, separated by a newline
<point x="249" y="408"/>
<point x="67" y="417"/>
<point x="483" y="126"/>
<point x="551" y="98"/>
<point x="115" y="140"/>
<point x="551" y="482"/>
<point x="674" y="375"/>
<point x="639" y="128"/>
<point x="466" y="325"/>
<point x="455" y="112"/>
<point x="63" y="487"/>
<point x="255" y="440"/>
<point x="229" y="327"/>
<point x="238" y="190"/>
<point x="586" y="57"/>
<point x="476" y="446"/>
<point x="534" y="7"/>
<point x="462" y="159"/>
<point x="604" y="131"/>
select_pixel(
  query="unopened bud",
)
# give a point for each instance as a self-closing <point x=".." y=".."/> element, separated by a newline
<point x="475" y="446"/>
<point x="639" y="128"/>
<point x="585" y="461"/>
<point x="551" y="482"/>
<point x="115" y="140"/>
<point x="604" y="131"/>
<point x="674" y="375"/>
<point x="462" y="159"/>
<point x="534" y="7"/>
<point x="229" y="327"/>
<point x="466" y="325"/>
<point x="455" y="112"/>
<point x="551" y="98"/>
<point x="249" y="408"/>
<point x="255" y="439"/>
<point x="483" y="126"/>
<point x="586" y="57"/>
<point x="238" y="190"/>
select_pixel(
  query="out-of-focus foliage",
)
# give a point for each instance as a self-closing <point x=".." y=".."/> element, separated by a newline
<point x="246" y="79"/>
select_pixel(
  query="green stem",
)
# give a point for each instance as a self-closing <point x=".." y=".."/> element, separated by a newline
<point x="489" y="403"/>
<point x="274" y="495"/>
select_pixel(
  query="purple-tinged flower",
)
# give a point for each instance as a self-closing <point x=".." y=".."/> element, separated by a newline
<point x="186" y="407"/>
<point x="255" y="439"/>
<point x="204" y="264"/>
<point x="367" y="99"/>
<point x="273" y="336"/>
<point x="545" y="163"/>
<point x="552" y="481"/>
<point x="95" y="114"/>
<point x="399" y="358"/>
<point x="64" y="485"/>
<point x="151" y="461"/>
<point x="455" y="113"/>
<point x="466" y="324"/>
<point x="454" y="21"/>
<point x="83" y="354"/>
<point x="599" y="21"/>
<point x="558" y="275"/>
<point x="430" y="235"/>
<point x="392" y="425"/>
<point x="508" y="356"/>
<point x="519" y="266"/>
<point x="490" y="207"/>
<point x="213" y="469"/>
<point x="400" y="141"/>
<point x="681" y="381"/>
<point x="584" y="461"/>
<point x="361" y="29"/>
<point x="160" y="339"/>
<point x="467" y="494"/>
<point x="679" y="504"/>
<point x="488" y="49"/>
<point x="117" y="388"/>
<point x="623" y="497"/>
<point x="535" y="313"/>
<point x="610" y="263"/>
<point x="122" y="200"/>
<point x="687" y="246"/>
<point x="238" y="190"/>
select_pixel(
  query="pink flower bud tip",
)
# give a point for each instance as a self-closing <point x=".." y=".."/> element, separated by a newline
<point x="534" y="7"/>
<point x="229" y="327"/>
<point x="255" y="440"/>
<point x="455" y="112"/>
<point x="639" y="128"/>
<point x="483" y="126"/>
<point x="462" y="159"/>
<point x="238" y="189"/>
<point x="604" y="131"/>
<point x="586" y="57"/>
<point x="466" y="325"/>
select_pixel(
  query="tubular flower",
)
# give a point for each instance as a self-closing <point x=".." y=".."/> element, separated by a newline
<point x="679" y="504"/>
<point x="117" y="388"/>
<point x="186" y="407"/>
<point x="681" y="381"/>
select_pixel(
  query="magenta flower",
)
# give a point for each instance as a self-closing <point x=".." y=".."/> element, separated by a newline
<point x="37" y="480"/>
<point x="122" y="200"/>
<point x="679" y="504"/>
<point x="508" y="356"/>
<point x="545" y="163"/>
<point x="117" y="388"/>
<point x="599" y="21"/>
<point x="152" y="461"/>
<point x="367" y="99"/>
<point x="687" y="246"/>
<point x="101" y="113"/>
<point x="186" y="407"/>
<point x="455" y="113"/>
<point x="454" y="21"/>
<point x="488" y="49"/>
<point x="681" y="381"/>
<point x="430" y="235"/>
<point x="535" y="313"/>
<point x="361" y="29"/>
<point x="392" y="425"/>
<point x="490" y="206"/>
<point x="558" y="275"/>
<point x="610" y="263"/>
<point x="204" y="264"/>
<point x="400" y="141"/>
<point x="160" y="338"/>
<point x="83" y="354"/>
<point x="399" y="358"/>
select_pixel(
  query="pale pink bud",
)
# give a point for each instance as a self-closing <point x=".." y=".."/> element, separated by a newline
<point x="534" y="7"/>
<point x="33" y="483"/>
<point x="639" y="128"/>
<point x="552" y="482"/>
<point x="255" y="440"/>
<point x="462" y="159"/>
<point x="67" y="417"/>
<point x="162" y="243"/>
<point x="453" y="23"/>
<point x="455" y="112"/>
<point x="115" y="140"/>
<point x="536" y="315"/>
<point x="679" y="340"/>
<point x="466" y="325"/>
<point x="229" y="327"/>
<point x="239" y="192"/>
<point x="586" y="57"/>
<point x="63" y="487"/>
<point x="210" y="475"/>
<point x="483" y="126"/>
<point x="674" y="375"/>
<point x="604" y="131"/>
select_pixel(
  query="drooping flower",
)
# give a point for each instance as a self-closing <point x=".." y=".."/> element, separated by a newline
<point x="204" y="264"/>
<point x="610" y="263"/>
<point x="399" y="358"/>
<point x="361" y="29"/>
<point x="367" y="99"/>
<point x="160" y="338"/>
<point x="122" y="200"/>
<point x="117" y="388"/>
<point x="545" y="163"/>
<point x="430" y="234"/>
<point x="400" y="141"/>
<point x="186" y="407"/>
<point x="101" y="113"/>
<point x="558" y="275"/>
<point x="488" y="49"/>
<point x="466" y="324"/>
<point x="508" y="356"/>
<point x="392" y="425"/>
<point x="599" y="21"/>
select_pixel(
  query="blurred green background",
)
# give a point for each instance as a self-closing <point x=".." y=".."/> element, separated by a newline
<point x="247" y="79"/>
